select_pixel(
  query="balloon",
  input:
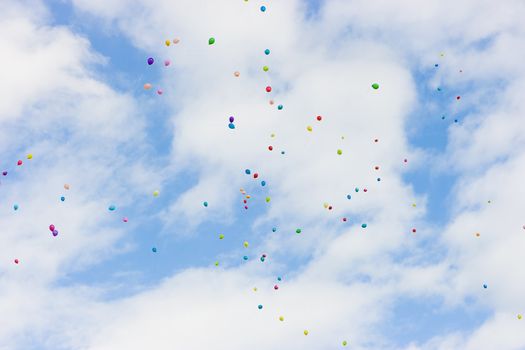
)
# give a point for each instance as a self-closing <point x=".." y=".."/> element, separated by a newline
<point x="66" y="186"/>
<point x="458" y="97"/>
<point x="221" y="236"/>
<point x="357" y="189"/>
<point x="348" y="196"/>
<point x="205" y="204"/>
<point x="176" y="40"/>
<point x="245" y="257"/>
<point x="274" y="229"/>
<point x="276" y="287"/>
<point x="281" y="318"/>
<point x="150" y="61"/>
<point x="156" y="193"/>
<point x="245" y="244"/>
<point x="167" y="42"/>
<point x="376" y="167"/>
<point x="231" y="126"/>
<point x="339" y="151"/>
<point x="159" y="92"/>
<point x="4" y="173"/>
<point x="62" y="198"/>
<point x="267" y="51"/>
<point x="263" y="183"/>
<point x="519" y="317"/>
<point x="147" y="86"/>
<point x="55" y="233"/>
<point x="282" y="152"/>
<point x="260" y="307"/>
<point x="344" y="343"/>
<point x="268" y="89"/>
<point x="344" y="219"/>
<point x="19" y="162"/>
<point x="232" y="119"/>
<point x="305" y="332"/>
<point x="436" y="65"/>
<point x="485" y="286"/>
<point x="271" y="102"/>
<point x="265" y="68"/>
<point x="375" y="86"/>
<point x="237" y="74"/>
<point x="378" y="179"/>
<point x="112" y="207"/>
<point x="15" y="207"/>
<point x="309" y="128"/>
<point x="263" y="8"/>
<point x="267" y="199"/>
<point x="29" y="156"/>
<point x="216" y="263"/>
<point x="255" y="289"/>
<point x="363" y="225"/>
<point x="477" y="234"/>
<point x="167" y="62"/>
<point x="211" y="41"/>
<point x="16" y="261"/>
<point x="247" y="171"/>
<point x="319" y="118"/>
<point x="413" y="230"/>
<point x="298" y="231"/>
<point x="51" y="227"/>
<point x="125" y="219"/>
<point x="154" y="250"/>
<point x="255" y="175"/>
<point x="270" y="148"/>
<point x="280" y="107"/>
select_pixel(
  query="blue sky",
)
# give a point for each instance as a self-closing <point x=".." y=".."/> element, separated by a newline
<point x="382" y="287"/>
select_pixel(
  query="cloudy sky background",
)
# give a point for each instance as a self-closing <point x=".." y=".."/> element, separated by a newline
<point x="72" y="95"/>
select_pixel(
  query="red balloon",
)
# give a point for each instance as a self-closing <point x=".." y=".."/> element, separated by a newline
<point x="16" y="261"/>
<point x="19" y="162"/>
<point x="270" y="148"/>
<point x="255" y="175"/>
<point x="413" y="230"/>
<point x="319" y="118"/>
<point x="268" y="89"/>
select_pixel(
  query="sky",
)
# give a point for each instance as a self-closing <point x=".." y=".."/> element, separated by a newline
<point x="386" y="217"/>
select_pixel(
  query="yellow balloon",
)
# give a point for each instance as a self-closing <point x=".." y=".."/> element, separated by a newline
<point x="156" y="193"/>
<point x="245" y="244"/>
<point x="281" y="318"/>
<point x="305" y="332"/>
<point x="168" y="43"/>
<point x="309" y="128"/>
<point x="520" y="317"/>
<point x="29" y="156"/>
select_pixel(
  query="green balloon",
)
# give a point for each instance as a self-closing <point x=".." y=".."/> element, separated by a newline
<point x="375" y="86"/>
<point x="344" y="343"/>
<point x="298" y="230"/>
<point x="211" y="41"/>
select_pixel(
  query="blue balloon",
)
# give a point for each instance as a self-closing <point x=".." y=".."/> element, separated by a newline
<point x="357" y="189"/>
<point x="348" y="196"/>
<point x="205" y="204"/>
<point x="248" y="171"/>
<point x="274" y="229"/>
<point x="263" y="183"/>
<point x="280" y="107"/>
<point x="267" y="51"/>
<point x="15" y="207"/>
<point x="279" y="279"/>
<point x="263" y="8"/>
<point x="245" y="257"/>
<point x="231" y="126"/>
<point x="260" y="306"/>
<point x="112" y="207"/>
<point x="62" y="198"/>
<point x="363" y="225"/>
<point x="378" y="179"/>
<point x="154" y="250"/>
<point x="485" y="286"/>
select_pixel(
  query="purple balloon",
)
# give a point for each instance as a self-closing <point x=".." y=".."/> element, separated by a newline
<point x="231" y="119"/>
<point x="150" y="61"/>
<point x="4" y="173"/>
<point x="55" y="233"/>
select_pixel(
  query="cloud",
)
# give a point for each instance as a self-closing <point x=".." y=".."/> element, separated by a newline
<point x="341" y="281"/>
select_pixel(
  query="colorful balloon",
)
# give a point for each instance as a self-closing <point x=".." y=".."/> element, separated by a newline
<point x="375" y="86"/>
<point x="205" y="204"/>
<point x="245" y="244"/>
<point x="156" y="193"/>
<point x="211" y="41"/>
<point x="339" y="151"/>
<point x="263" y="8"/>
<point x="305" y="332"/>
<point x="267" y="51"/>
<point x="62" y="198"/>
<point x="112" y="207"/>
<point x="19" y="162"/>
<point x="176" y="40"/>
<point x="263" y="183"/>
<point x="221" y="236"/>
<point x="260" y="307"/>
<point x="363" y="225"/>
<point x="245" y="257"/>
<point x="280" y="107"/>
<point x="298" y="231"/>
<point x="154" y="250"/>
<point x="29" y="156"/>
<point x="265" y="68"/>
<point x="237" y="74"/>
<point x="147" y="86"/>
<point x="66" y="186"/>
<point x="231" y="126"/>
<point x="51" y="227"/>
<point x="167" y="42"/>
<point x="309" y="128"/>
<point x="167" y="63"/>
<point x="281" y="318"/>
<point x="150" y="61"/>
<point x="15" y="207"/>
<point x="268" y="88"/>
